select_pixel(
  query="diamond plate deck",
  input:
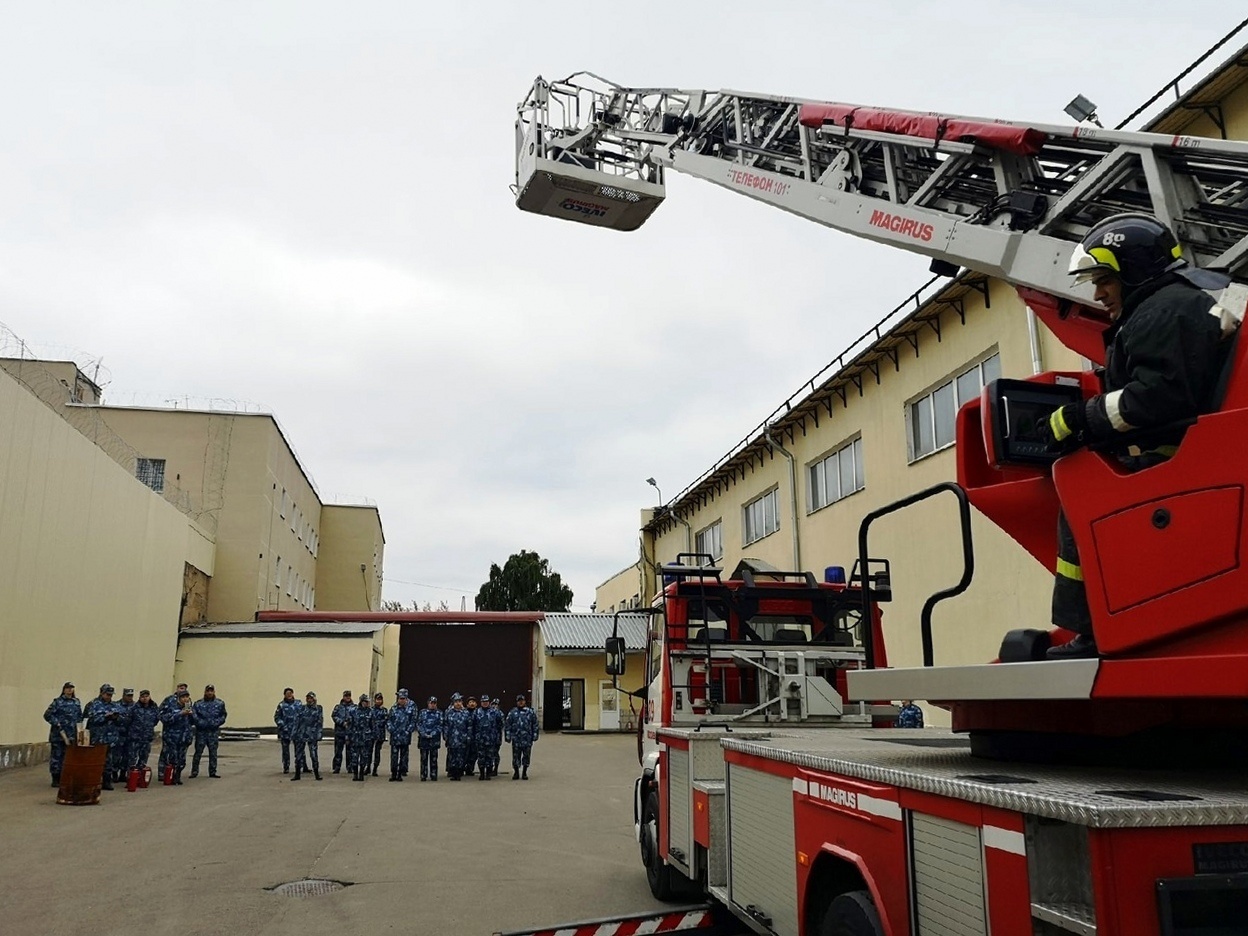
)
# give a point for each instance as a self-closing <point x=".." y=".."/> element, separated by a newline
<point x="1080" y="795"/>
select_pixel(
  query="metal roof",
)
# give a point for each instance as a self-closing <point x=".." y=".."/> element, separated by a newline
<point x="284" y="629"/>
<point x="583" y="632"/>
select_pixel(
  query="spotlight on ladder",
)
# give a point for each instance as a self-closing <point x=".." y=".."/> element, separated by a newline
<point x="1081" y="109"/>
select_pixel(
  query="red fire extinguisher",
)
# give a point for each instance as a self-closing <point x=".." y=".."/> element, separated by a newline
<point x="132" y="779"/>
<point x="146" y="778"/>
<point x="167" y="777"/>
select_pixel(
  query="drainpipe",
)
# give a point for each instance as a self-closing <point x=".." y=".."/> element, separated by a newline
<point x="1033" y="340"/>
<point x="797" y="550"/>
<point x="688" y="530"/>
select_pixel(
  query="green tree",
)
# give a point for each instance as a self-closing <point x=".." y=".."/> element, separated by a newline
<point x="524" y="583"/>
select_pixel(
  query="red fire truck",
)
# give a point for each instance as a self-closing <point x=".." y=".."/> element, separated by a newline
<point x="764" y="787"/>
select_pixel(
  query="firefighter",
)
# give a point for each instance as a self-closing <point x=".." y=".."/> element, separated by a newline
<point x="1163" y="355"/>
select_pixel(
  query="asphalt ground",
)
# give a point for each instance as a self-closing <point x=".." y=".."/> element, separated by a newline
<point x="425" y="858"/>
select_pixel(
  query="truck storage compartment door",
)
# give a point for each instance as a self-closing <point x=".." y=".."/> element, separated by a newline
<point x="762" y="863"/>
<point x="948" y="866"/>
<point x="680" y="823"/>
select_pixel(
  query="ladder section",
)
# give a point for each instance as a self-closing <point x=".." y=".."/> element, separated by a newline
<point x="1005" y="199"/>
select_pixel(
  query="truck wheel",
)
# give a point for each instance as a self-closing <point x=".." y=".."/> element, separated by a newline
<point x="659" y="875"/>
<point x="851" y="914"/>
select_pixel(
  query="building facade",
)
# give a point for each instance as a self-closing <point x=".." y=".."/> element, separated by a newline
<point x="878" y="426"/>
<point x="122" y="526"/>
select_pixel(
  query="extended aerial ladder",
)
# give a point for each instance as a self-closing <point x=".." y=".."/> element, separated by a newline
<point x="1004" y="199"/>
<point x="1007" y="200"/>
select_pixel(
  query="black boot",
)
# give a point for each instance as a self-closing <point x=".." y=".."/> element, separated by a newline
<point x="108" y="783"/>
<point x="177" y="777"/>
<point x="317" y="774"/>
<point x="515" y="773"/>
<point x="524" y="775"/>
<point x="56" y="780"/>
<point x="1083" y="647"/>
<point x="297" y="773"/>
<point x="482" y="777"/>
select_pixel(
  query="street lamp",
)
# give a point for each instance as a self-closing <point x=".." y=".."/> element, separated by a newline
<point x="654" y="484"/>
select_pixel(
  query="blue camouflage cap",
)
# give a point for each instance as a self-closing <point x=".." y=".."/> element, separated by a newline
<point x="456" y="697"/>
<point x="403" y="694"/>
<point x="433" y="699"/>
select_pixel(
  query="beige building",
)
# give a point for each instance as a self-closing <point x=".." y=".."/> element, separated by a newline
<point x="91" y="569"/>
<point x="250" y="664"/>
<point x="123" y="525"/>
<point x="349" y="569"/>
<point x="571" y="650"/>
<point x="877" y="426"/>
<point x="238" y="473"/>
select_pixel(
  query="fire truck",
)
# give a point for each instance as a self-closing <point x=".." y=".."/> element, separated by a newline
<point x="1093" y="796"/>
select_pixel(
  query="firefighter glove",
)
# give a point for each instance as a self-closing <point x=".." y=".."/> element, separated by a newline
<point x="1064" y="428"/>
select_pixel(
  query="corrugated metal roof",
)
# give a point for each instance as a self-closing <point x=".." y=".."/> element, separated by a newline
<point x="562" y="632"/>
<point x="284" y="628"/>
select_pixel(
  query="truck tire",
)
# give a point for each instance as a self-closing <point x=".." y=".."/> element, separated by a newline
<point x="663" y="879"/>
<point x="851" y="914"/>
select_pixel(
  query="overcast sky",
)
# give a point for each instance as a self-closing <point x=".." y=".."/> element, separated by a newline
<point x="305" y="206"/>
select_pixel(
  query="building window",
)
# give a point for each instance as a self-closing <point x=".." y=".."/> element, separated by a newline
<point x="294" y="517"/>
<point x="282" y="513"/>
<point x="761" y="517"/>
<point x="837" y="475"/>
<point x="277" y="574"/>
<point x="711" y="541"/>
<point x="290" y="579"/>
<point x="931" y="417"/>
<point x="151" y="471"/>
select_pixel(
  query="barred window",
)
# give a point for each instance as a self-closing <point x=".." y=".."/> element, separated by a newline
<point x="151" y="471"/>
<point x="711" y="541"/>
<point x="836" y="475"/>
<point x="932" y="417"/>
<point x="761" y="517"/>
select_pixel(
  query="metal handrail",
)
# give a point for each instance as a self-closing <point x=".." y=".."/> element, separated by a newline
<point x="968" y="570"/>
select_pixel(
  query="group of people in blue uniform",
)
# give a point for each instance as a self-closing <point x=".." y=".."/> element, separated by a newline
<point x="128" y="727"/>
<point x="472" y="731"/>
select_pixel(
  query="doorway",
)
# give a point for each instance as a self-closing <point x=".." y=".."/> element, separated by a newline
<point x="552" y="705"/>
<point x="574" y="704"/>
<point x="608" y="707"/>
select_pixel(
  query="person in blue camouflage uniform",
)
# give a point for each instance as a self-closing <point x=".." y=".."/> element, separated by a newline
<point x="430" y="726"/>
<point x="309" y="730"/>
<point x="470" y="764"/>
<point x="178" y="720"/>
<point x="103" y="717"/>
<point x="209" y="717"/>
<point x="361" y="734"/>
<point x="144" y="716"/>
<point x="123" y="735"/>
<point x="286" y="717"/>
<point x="341" y="717"/>
<point x="521" y="730"/>
<point x="62" y="715"/>
<point x="909" y="716"/>
<point x="457" y="730"/>
<point x="167" y="702"/>
<point x="380" y="714"/>
<point x="488" y="730"/>
<point x="400" y="722"/>
<point x="496" y="706"/>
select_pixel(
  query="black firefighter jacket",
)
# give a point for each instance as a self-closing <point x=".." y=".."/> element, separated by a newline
<point x="1162" y="361"/>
